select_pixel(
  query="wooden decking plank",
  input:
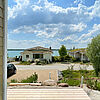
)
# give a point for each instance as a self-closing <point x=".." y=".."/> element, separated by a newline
<point x="46" y="94"/>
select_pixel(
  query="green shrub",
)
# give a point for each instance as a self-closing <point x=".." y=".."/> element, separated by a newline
<point x="90" y="83"/>
<point x="73" y="59"/>
<point x="81" y="63"/>
<point x="31" y="79"/>
<point x="41" y="62"/>
<point x="14" y="81"/>
<point x="67" y="58"/>
<point x="98" y="86"/>
<point x="73" y="82"/>
<point x="37" y="61"/>
<point x="24" y="63"/>
<point x="63" y="81"/>
<point x="56" y="59"/>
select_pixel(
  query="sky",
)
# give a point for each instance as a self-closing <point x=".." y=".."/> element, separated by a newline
<point x="46" y="23"/>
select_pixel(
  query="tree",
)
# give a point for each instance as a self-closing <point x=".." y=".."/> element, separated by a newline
<point x="62" y="51"/>
<point x="93" y="53"/>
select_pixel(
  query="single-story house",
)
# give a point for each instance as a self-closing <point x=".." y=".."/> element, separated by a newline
<point x="37" y="53"/>
<point x="79" y="53"/>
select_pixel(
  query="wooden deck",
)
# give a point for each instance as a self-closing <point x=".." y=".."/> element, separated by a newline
<point x="46" y="94"/>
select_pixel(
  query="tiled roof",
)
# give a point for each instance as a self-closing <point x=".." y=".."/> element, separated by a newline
<point x="38" y="49"/>
<point x="78" y="50"/>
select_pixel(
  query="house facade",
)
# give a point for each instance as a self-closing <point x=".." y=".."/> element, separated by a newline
<point x="79" y="54"/>
<point x="37" y="53"/>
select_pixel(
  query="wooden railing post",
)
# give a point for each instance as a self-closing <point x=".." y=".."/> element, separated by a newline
<point x="3" y="49"/>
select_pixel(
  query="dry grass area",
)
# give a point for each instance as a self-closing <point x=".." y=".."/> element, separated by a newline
<point x="42" y="75"/>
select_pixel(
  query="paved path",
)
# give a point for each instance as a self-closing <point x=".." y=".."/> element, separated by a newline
<point x="57" y="66"/>
<point x="46" y="94"/>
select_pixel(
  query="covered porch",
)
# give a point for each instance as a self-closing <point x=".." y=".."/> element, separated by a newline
<point x="38" y="56"/>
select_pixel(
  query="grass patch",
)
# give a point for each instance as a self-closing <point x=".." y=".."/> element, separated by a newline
<point x="14" y="81"/>
<point x="24" y="63"/>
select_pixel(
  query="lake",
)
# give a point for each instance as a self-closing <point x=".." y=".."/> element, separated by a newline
<point x="17" y="53"/>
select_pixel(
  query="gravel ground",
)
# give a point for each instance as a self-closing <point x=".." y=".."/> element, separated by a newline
<point x="24" y="71"/>
<point x="57" y="66"/>
<point x="93" y="94"/>
<point x="43" y="74"/>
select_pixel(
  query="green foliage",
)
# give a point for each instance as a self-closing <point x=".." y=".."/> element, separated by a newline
<point x="98" y="86"/>
<point x="41" y="62"/>
<point x="73" y="77"/>
<point x="24" y="63"/>
<point x="90" y="83"/>
<point x="73" y="59"/>
<point x="73" y="82"/>
<point x="56" y="59"/>
<point x="93" y="53"/>
<point x="31" y="79"/>
<point x="70" y="74"/>
<point x="93" y="84"/>
<point x="62" y="51"/>
<point x="81" y="63"/>
<point x="67" y="58"/>
<point x="14" y="81"/>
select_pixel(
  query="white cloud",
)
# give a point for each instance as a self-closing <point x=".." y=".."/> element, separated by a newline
<point x="20" y="5"/>
<point x="96" y="9"/>
<point x="29" y="43"/>
<point x="86" y="38"/>
<point x="51" y="30"/>
<point x="29" y="13"/>
<point x="79" y="1"/>
<point x="69" y="38"/>
<point x="78" y="28"/>
<point x="47" y="20"/>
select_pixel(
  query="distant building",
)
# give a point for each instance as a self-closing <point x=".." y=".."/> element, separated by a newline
<point x="37" y="53"/>
<point x="79" y="54"/>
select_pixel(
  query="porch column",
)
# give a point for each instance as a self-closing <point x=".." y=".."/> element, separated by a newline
<point x="3" y="49"/>
<point x="74" y="55"/>
<point x="82" y="56"/>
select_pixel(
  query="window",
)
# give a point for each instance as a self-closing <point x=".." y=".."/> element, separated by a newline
<point x="33" y="55"/>
<point x="41" y="55"/>
<point x="37" y="56"/>
<point x="27" y="56"/>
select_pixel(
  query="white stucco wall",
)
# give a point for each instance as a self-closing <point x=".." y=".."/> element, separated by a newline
<point x="47" y="56"/>
<point x="84" y="58"/>
<point x="26" y="59"/>
<point x="78" y="55"/>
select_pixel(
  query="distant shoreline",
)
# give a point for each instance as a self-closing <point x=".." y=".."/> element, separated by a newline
<point x="24" y="49"/>
<point x="16" y="52"/>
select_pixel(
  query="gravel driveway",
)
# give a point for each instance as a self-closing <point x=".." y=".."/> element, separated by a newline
<point x="42" y="75"/>
<point x="24" y="71"/>
<point x="57" y="66"/>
